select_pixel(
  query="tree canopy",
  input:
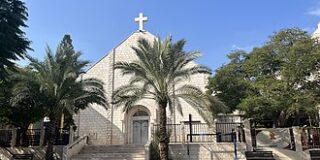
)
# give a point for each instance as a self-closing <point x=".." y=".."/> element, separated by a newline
<point x="16" y="109"/>
<point x="59" y="86"/>
<point x="13" y="43"/>
<point x="278" y="81"/>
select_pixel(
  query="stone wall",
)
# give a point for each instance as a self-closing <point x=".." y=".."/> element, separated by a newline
<point x="100" y="123"/>
<point x="206" y="151"/>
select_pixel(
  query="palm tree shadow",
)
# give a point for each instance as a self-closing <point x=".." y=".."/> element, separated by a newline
<point x="98" y="126"/>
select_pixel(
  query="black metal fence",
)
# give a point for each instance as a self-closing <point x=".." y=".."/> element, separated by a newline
<point x="213" y="137"/>
<point x="202" y="132"/>
<point x="221" y="136"/>
<point x="61" y="137"/>
<point x="202" y="137"/>
<point x="31" y="137"/>
<point x="310" y="137"/>
<point x="176" y="132"/>
<point x="225" y="128"/>
<point x="5" y="138"/>
<point x="199" y="132"/>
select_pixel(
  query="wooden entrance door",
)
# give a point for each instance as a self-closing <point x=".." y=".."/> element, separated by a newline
<point x="140" y="131"/>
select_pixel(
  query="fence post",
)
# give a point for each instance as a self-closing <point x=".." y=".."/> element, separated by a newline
<point x="219" y="137"/>
<point x="71" y="135"/>
<point x="42" y="135"/>
<point x="190" y="126"/>
<point x="14" y="137"/>
<point x="247" y="134"/>
<point x="234" y="140"/>
<point x="297" y="131"/>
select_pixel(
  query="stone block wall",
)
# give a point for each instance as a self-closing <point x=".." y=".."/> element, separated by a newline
<point x="100" y="123"/>
<point x="203" y="151"/>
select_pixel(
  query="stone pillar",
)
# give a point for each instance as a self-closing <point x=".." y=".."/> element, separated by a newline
<point x="42" y="135"/>
<point x="147" y="150"/>
<point x="297" y="131"/>
<point x="247" y="133"/>
<point x="14" y="137"/>
<point x="71" y="134"/>
<point x="297" y="138"/>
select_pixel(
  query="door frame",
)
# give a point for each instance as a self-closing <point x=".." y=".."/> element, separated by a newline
<point x="129" y="118"/>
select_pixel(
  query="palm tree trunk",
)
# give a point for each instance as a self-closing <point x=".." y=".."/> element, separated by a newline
<point x="163" y="139"/>
<point x="51" y="138"/>
<point x="310" y="121"/>
<point x="281" y="119"/>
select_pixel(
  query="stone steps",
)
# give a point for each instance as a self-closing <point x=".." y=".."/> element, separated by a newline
<point x="284" y="154"/>
<point x="111" y="152"/>
<point x="207" y="156"/>
<point x="108" y="158"/>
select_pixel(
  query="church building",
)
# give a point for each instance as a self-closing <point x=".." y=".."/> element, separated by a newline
<point x="112" y="125"/>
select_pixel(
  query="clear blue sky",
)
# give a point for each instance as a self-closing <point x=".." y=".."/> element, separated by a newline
<point x="213" y="27"/>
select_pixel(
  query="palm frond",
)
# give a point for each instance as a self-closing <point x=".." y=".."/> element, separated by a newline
<point x="161" y="65"/>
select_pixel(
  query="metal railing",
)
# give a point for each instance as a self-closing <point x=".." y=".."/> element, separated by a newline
<point x="62" y="137"/>
<point x="204" y="132"/>
<point x="5" y="138"/>
<point x="228" y="127"/>
<point x="31" y="137"/>
<point x="310" y="137"/>
<point x="178" y="132"/>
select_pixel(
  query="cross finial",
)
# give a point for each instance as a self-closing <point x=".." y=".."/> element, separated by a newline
<point x="141" y="20"/>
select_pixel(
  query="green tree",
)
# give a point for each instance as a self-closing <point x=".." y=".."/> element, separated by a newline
<point x="13" y="43"/>
<point x="19" y="110"/>
<point x="59" y="81"/>
<point x="216" y="106"/>
<point x="229" y="84"/>
<point x="157" y="75"/>
<point x="276" y="81"/>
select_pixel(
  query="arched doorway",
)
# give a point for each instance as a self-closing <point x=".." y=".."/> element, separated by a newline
<point x="140" y="124"/>
<point x="137" y="125"/>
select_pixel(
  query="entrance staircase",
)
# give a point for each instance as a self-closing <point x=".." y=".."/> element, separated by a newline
<point x="284" y="154"/>
<point x="111" y="152"/>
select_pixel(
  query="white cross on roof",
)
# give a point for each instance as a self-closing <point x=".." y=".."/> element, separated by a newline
<point x="141" y="20"/>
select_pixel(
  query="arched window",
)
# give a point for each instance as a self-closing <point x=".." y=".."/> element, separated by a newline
<point x="140" y="113"/>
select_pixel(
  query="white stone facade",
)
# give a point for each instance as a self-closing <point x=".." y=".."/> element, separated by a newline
<point x="113" y="126"/>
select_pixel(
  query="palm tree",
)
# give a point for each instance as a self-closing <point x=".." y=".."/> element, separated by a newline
<point x="58" y="78"/>
<point x="158" y="74"/>
<point x="16" y="108"/>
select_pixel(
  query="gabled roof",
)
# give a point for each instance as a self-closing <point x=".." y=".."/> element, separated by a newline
<point x="136" y="32"/>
